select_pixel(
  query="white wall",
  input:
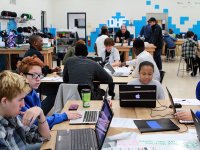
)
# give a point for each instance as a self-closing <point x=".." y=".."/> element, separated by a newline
<point x="98" y="11"/>
<point x="33" y="7"/>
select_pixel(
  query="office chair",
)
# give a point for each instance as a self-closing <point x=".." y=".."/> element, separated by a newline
<point x="162" y="74"/>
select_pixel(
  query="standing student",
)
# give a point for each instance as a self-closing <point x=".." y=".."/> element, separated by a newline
<point x="110" y="54"/>
<point x="156" y="39"/>
<point x="31" y="69"/>
<point x="146" y="32"/>
<point x="146" y="70"/>
<point x="17" y="132"/>
<point x="142" y="55"/>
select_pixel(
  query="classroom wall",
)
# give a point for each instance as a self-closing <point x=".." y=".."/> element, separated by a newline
<point x="33" y="7"/>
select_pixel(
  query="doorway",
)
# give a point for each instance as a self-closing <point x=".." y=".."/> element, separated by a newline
<point x="77" y="20"/>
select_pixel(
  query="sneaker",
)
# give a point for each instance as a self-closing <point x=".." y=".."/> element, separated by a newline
<point x="193" y="74"/>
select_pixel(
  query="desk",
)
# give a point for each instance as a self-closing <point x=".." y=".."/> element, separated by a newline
<point x="143" y="113"/>
<point x="47" y="53"/>
<point x="125" y="48"/>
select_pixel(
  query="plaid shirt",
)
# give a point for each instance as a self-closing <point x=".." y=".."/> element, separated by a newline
<point x="14" y="136"/>
<point x="189" y="48"/>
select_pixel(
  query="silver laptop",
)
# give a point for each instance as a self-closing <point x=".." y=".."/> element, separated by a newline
<point x="116" y="73"/>
<point x="87" y="139"/>
<point x="175" y="110"/>
<point x="88" y="117"/>
<point x="196" y="124"/>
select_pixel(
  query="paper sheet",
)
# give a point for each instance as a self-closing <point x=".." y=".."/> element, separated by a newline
<point x="184" y="101"/>
<point x="55" y="79"/>
<point x="123" y="123"/>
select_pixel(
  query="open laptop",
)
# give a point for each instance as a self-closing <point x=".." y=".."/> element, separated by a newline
<point x="196" y="124"/>
<point x="137" y="95"/>
<point x="98" y="60"/>
<point x="175" y="110"/>
<point x="88" y="116"/>
<point x="121" y="72"/>
<point x="86" y="139"/>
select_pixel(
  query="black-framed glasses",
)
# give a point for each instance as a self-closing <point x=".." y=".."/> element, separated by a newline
<point x="35" y="76"/>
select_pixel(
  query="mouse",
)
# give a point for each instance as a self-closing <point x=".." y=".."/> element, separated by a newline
<point x="176" y="105"/>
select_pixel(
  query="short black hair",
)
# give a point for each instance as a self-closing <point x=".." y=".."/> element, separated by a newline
<point x="189" y="34"/>
<point x="146" y="63"/>
<point x="81" y="50"/>
<point x="138" y="43"/>
<point x="104" y="31"/>
<point x="152" y="19"/>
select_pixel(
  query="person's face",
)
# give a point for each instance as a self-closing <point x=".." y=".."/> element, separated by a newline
<point x="123" y="29"/>
<point x="13" y="107"/>
<point x="39" y="43"/>
<point x="33" y="76"/>
<point x="152" y="23"/>
<point x="109" y="48"/>
<point x="146" y="74"/>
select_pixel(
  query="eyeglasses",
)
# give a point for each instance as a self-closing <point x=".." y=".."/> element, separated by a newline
<point x="35" y="76"/>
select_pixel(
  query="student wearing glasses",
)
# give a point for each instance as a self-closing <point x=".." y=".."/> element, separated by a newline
<point x="18" y="132"/>
<point x="31" y="69"/>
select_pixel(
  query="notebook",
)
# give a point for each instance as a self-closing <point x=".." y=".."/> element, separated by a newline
<point x="137" y="95"/>
<point x="155" y="125"/>
<point x="196" y="124"/>
<point x="175" y="110"/>
<point x="121" y="72"/>
<point x="88" y="117"/>
<point x="85" y="139"/>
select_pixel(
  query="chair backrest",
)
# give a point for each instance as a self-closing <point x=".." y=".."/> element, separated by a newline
<point x="162" y="74"/>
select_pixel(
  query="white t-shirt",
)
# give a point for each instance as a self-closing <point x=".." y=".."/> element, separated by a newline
<point x="144" y="56"/>
<point x="159" y="90"/>
<point x="114" y="55"/>
<point x="100" y="43"/>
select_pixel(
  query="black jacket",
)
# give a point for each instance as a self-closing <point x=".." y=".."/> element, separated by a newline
<point x="156" y="36"/>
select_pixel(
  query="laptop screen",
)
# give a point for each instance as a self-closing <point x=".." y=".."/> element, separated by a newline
<point x="103" y="123"/>
<point x="171" y="100"/>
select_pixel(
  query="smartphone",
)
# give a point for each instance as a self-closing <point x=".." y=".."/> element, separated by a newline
<point x="73" y="107"/>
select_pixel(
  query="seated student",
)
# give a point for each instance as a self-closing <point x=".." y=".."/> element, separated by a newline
<point x="31" y="69"/>
<point x="15" y="131"/>
<point x="142" y="55"/>
<point x="146" y="70"/>
<point x="81" y="70"/>
<point x="186" y="115"/>
<point x="71" y="50"/>
<point x="170" y="43"/>
<point x="36" y="44"/>
<point x="122" y="35"/>
<point x="110" y="54"/>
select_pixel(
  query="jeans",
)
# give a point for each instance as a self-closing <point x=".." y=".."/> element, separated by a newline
<point x="157" y="58"/>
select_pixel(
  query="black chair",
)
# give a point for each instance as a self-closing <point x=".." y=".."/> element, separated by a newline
<point x="162" y="74"/>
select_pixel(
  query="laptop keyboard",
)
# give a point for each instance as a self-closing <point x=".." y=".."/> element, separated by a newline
<point x="90" y="116"/>
<point x="83" y="139"/>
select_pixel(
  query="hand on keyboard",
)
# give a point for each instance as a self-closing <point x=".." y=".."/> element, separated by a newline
<point x="183" y="115"/>
<point x="73" y="115"/>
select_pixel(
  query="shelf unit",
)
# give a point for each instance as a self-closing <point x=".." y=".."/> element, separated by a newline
<point x="64" y="39"/>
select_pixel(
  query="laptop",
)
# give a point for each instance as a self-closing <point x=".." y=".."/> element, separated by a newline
<point x="98" y="60"/>
<point x="120" y="72"/>
<point x="175" y="110"/>
<point x="137" y="95"/>
<point x="87" y="139"/>
<point x="196" y="124"/>
<point x="89" y="116"/>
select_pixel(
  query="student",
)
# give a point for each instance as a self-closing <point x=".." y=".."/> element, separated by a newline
<point x="31" y="69"/>
<point x="198" y="91"/>
<point x="99" y="44"/>
<point x="81" y="70"/>
<point x="16" y="132"/>
<point x="71" y="50"/>
<point x="146" y="70"/>
<point x="123" y="35"/>
<point x="146" y="32"/>
<point x="142" y="55"/>
<point x="110" y="54"/>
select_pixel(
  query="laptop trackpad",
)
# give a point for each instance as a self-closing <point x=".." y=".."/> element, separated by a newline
<point x="63" y="139"/>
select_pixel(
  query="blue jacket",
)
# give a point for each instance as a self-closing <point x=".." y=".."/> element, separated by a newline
<point x="146" y="32"/>
<point x="198" y="91"/>
<point x="32" y="99"/>
<point x="169" y="41"/>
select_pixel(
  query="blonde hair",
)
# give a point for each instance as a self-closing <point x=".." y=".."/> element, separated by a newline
<point x="12" y="84"/>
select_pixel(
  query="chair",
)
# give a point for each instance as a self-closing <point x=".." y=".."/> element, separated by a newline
<point x="184" y="69"/>
<point x="162" y="74"/>
<point x="169" y="50"/>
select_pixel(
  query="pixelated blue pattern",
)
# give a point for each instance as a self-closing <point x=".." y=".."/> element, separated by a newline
<point x="148" y="2"/>
<point x="138" y="25"/>
<point x="173" y="26"/>
<point x="0" y="26"/>
<point x="183" y="19"/>
<point x="165" y="11"/>
<point x="156" y="6"/>
<point x="196" y="29"/>
<point x="11" y="25"/>
<point x="118" y="16"/>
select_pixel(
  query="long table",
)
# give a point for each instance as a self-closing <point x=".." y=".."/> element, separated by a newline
<point x="126" y="49"/>
<point x="46" y="52"/>
<point x="140" y="113"/>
